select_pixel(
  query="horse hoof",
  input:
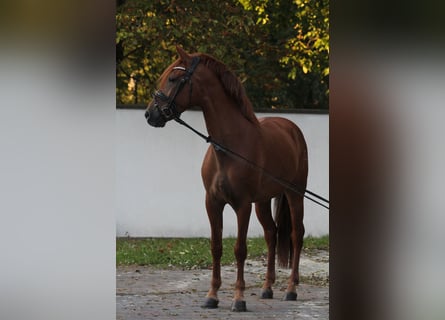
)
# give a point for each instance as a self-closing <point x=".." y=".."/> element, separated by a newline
<point x="239" y="306"/>
<point x="267" y="294"/>
<point x="290" y="296"/>
<point x="210" y="303"/>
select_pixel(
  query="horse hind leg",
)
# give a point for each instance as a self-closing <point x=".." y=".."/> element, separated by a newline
<point x="264" y="214"/>
<point x="297" y="234"/>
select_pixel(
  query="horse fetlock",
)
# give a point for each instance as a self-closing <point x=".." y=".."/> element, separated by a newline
<point x="239" y="293"/>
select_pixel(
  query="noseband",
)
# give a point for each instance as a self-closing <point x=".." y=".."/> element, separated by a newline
<point x="168" y="109"/>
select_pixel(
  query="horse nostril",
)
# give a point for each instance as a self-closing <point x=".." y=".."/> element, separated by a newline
<point x="147" y="115"/>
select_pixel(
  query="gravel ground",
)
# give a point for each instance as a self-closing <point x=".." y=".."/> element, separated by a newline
<point x="148" y="293"/>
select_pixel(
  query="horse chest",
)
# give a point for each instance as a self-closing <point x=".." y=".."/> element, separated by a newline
<point x="222" y="187"/>
<point x="229" y="189"/>
<point x="228" y="180"/>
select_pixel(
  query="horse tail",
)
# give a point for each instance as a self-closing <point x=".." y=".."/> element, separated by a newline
<point x="284" y="247"/>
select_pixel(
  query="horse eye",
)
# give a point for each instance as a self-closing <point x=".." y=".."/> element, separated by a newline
<point x="171" y="79"/>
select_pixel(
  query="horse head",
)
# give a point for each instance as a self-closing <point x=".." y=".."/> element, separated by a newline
<point x="175" y="93"/>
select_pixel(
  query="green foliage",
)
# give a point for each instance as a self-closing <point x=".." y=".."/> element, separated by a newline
<point x="279" y="49"/>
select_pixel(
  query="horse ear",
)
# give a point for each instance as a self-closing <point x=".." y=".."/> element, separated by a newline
<point x="182" y="54"/>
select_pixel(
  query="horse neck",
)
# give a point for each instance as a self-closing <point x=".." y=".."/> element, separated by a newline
<point x="224" y="120"/>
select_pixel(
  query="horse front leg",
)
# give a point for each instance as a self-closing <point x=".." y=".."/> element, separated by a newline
<point x="215" y="214"/>
<point x="243" y="217"/>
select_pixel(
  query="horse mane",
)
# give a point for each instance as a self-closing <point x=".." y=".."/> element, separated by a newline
<point x="231" y="84"/>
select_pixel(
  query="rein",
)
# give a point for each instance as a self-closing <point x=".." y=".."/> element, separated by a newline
<point x="287" y="184"/>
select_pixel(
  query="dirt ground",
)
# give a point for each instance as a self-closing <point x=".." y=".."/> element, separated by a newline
<point x="148" y="293"/>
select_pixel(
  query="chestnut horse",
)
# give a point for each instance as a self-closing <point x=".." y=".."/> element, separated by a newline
<point x="273" y="143"/>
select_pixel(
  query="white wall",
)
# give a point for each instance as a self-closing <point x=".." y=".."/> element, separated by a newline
<point x="158" y="178"/>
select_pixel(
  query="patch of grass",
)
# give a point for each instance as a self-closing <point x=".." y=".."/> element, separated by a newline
<point x="190" y="253"/>
<point x="316" y="243"/>
<point x="162" y="252"/>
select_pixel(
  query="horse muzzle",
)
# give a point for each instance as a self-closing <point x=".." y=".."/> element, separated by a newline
<point x="155" y="118"/>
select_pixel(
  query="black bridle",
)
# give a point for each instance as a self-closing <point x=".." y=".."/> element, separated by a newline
<point x="169" y="109"/>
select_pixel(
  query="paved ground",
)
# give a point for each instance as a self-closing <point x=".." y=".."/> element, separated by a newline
<point x="147" y="293"/>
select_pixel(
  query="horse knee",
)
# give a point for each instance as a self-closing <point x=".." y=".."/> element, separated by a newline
<point x="216" y="248"/>
<point x="240" y="252"/>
